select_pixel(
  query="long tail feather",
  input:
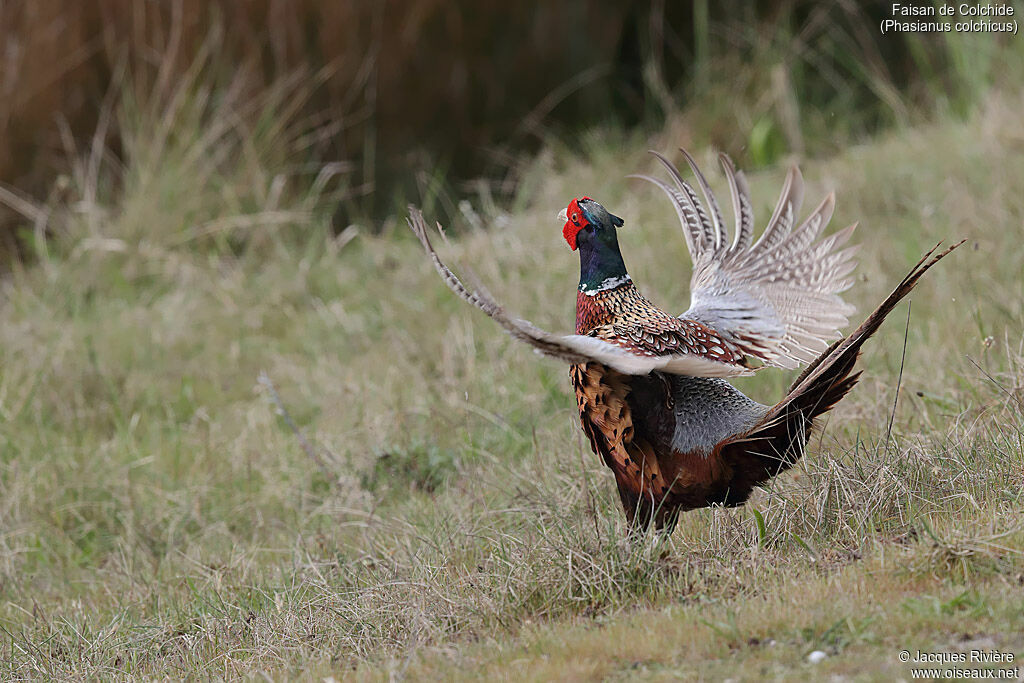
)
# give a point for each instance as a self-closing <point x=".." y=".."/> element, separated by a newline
<point x="777" y="442"/>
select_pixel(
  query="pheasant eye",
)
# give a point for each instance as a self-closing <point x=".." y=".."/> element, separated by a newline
<point x="576" y="218"/>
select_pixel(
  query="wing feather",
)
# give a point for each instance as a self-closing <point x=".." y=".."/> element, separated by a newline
<point x="572" y="348"/>
<point x="687" y="216"/>
<point x="701" y="227"/>
<point x="741" y="205"/>
<point x="718" y="225"/>
<point x="776" y="298"/>
<point x="784" y="217"/>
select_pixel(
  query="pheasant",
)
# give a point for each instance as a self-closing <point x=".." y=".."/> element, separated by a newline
<point x="651" y="387"/>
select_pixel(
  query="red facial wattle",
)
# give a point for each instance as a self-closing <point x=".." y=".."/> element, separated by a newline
<point x="575" y="222"/>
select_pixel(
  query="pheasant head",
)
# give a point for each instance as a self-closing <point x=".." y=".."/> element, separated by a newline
<point x="592" y="230"/>
<point x="585" y="218"/>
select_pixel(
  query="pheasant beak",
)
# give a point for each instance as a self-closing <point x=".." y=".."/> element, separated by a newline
<point x="563" y="216"/>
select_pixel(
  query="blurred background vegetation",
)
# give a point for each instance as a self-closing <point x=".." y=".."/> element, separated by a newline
<point x="374" y="104"/>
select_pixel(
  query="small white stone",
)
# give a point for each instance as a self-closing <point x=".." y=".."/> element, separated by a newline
<point x="816" y="656"/>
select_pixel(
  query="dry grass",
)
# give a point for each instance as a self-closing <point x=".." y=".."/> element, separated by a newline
<point x="160" y="519"/>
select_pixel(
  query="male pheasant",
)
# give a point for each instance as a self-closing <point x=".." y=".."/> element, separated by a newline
<point x="649" y="384"/>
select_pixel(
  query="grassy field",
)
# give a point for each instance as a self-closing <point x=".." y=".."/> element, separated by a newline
<point x="161" y="518"/>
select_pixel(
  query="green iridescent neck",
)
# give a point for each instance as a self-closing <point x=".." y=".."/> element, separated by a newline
<point x="601" y="264"/>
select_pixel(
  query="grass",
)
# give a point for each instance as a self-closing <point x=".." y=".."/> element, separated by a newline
<point x="160" y="518"/>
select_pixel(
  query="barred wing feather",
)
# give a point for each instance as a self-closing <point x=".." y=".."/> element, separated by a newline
<point x="776" y="298"/>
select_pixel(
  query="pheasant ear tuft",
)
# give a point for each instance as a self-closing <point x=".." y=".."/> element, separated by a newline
<point x="616" y="221"/>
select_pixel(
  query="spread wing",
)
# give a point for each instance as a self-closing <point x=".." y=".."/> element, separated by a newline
<point x="776" y="298"/>
<point x="622" y="355"/>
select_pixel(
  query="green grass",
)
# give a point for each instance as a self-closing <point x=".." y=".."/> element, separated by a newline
<point x="159" y="518"/>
